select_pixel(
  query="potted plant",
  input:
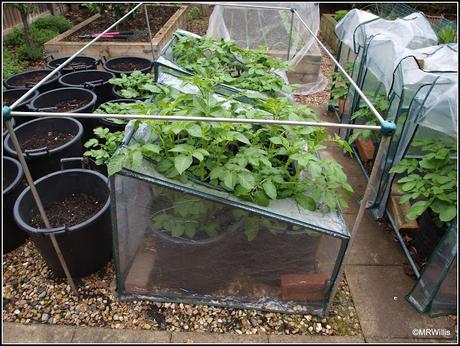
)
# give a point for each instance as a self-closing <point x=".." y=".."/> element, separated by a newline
<point x="430" y="184"/>
<point x="44" y="141"/>
<point x="77" y="204"/>
<point x="339" y="90"/>
<point x="137" y="85"/>
<point x="13" y="184"/>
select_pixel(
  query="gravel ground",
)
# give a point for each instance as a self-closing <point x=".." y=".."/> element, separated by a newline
<point x="31" y="295"/>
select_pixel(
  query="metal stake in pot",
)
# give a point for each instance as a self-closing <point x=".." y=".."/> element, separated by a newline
<point x="30" y="182"/>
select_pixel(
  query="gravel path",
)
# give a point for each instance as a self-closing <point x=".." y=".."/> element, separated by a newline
<point x="32" y="295"/>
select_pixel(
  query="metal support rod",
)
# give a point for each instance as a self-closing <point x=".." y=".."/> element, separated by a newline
<point x="198" y="119"/>
<point x="39" y="204"/>
<point x="57" y="69"/>
<point x="290" y="35"/>
<point x="149" y="30"/>
<point x="362" y="207"/>
<point x="352" y="82"/>
<point x="247" y="6"/>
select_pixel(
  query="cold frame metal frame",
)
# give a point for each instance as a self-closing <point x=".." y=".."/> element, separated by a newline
<point x="387" y="129"/>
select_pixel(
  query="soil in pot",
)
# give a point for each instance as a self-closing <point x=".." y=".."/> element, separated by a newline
<point x="128" y="65"/>
<point x="70" y="210"/>
<point x="51" y="139"/>
<point x="69" y="105"/>
<point x="31" y="79"/>
<point x="158" y="16"/>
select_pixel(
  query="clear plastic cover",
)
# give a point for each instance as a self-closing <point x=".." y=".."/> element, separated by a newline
<point x="436" y="290"/>
<point x="189" y="243"/>
<point x="345" y="28"/>
<point x="279" y="30"/>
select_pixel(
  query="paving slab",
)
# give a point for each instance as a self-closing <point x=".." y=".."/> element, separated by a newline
<point x="107" y="335"/>
<point x="378" y="294"/>
<point x="308" y="339"/>
<point x="36" y="333"/>
<point x="406" y="340"/>
<point x="373" y="245"/>
<point x="214" y="338"/>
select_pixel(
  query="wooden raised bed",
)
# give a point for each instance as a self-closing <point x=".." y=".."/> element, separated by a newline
<point x="58" y="46"/>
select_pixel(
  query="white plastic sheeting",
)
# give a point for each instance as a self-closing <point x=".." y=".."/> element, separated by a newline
<point x="346" y="27"/>
<point x="255" y="27"/>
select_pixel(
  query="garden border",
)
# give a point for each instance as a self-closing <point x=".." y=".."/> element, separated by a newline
<point x="387" y="128"/>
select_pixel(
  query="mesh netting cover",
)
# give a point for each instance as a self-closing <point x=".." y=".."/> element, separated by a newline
<point x="255" y="27"/>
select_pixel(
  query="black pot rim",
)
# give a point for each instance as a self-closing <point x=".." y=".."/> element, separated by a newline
<point x="93" y="99"/>
<point x="57" y="230"/>
<point x="116" y="94"/>
<point x="27" y="100"/>
<point x="11" y="86"/>
<point x="91" y="58"/>
<point x="126" y="57"/>
<point x="65" y="84"/>
<point x="19" y="176"/>
<point x="51" y="151"/>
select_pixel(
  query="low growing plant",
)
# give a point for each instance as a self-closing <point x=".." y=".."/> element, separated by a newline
<point x="448" y="34"/>
<point x="239" y="67"/>
<point x="340" y="14"/>
<point x="136" y="85"/>
<point x="57" y="24"/>
<point x="254" y="162"/>
<point x="430" y="182"/>
<point x="103" y="146"/>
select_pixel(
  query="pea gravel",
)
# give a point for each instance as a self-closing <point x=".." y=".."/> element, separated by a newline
<point x="32" y="295"/>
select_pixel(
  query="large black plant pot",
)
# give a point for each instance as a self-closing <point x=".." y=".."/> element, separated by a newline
<point x="86" y="246"/>
<point x="82" y="101"/>
<point x="79" y="63"/>
<point x="12" y="186"/>
<point x="11" y="95"/>
<point x="30" y="78"/>
<point x="42" y="161"/>
<point x="127" y="65"/>
<point x="97" y="81"/>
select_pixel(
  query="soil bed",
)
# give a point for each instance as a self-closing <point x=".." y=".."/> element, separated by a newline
<point x="158" y="16"/>
<point x="51" y="140"/>
<point x="128" y="66"/>
<point x="69" y="105"/>
<point x="35" y="78"/>
<point x="72" y="210"/>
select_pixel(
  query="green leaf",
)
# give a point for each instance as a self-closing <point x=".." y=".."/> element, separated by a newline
<point x="115" y="163"/>
<point x="417" y="209"/>
<point x="195" y="131"/>
<point x="150" y="149"/>
<point x="90" y="143"/>
<point x="182" y="163"/>
<point x="261" y="198"/>
<point x="242" y="138"/>
<point x="306" y="201"/>
<point x="251" y="228"/>
<point x="247" y="181"/>
<point x="270" y="189"/>
<point x="448" y="213"/>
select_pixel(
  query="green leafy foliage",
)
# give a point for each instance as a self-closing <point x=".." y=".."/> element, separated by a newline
<point x="447" y="34"/>
<point x="255" y="163"/>
<point x="103" y="146"/>
<point x="109" y="9"/>
<point x="340" y="14"/>
<point x="430" y="182"/>
<point x="11" y="64"/>
<point x="194" y="13"/>
<point x="224" y="60"/>
<point x="136" y="85"/>
<point x="57" y="24"/>
<point x="365" y="115"/>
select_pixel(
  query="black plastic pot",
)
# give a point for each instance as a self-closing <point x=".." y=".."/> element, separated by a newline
<point x="22" y="80"/>
<point x="15" y="94"/>
<point x="96" y="81"/>
<point x="79" y="63"/>
<point x="43" y="161"/>
<point x="13" y="185"/>
<point x="87" y="246"/>
<point x="48" y="100"/>
<point x="145" y="65"/>
<point x="118" y="96"/>
<point x="428" y="236"/>
<point x="113" y="127"/>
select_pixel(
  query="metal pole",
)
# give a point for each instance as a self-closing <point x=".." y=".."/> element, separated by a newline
<point x="40" y="207"/>
<point x="247" y="6"/>
<point x="198" y="119"/>
<point x="55" y="71"/>
<point x="352" y="82"/>
<point x="290" y="35"/>
<point x="150" y="31"/>
<point x="362" y="207"/>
